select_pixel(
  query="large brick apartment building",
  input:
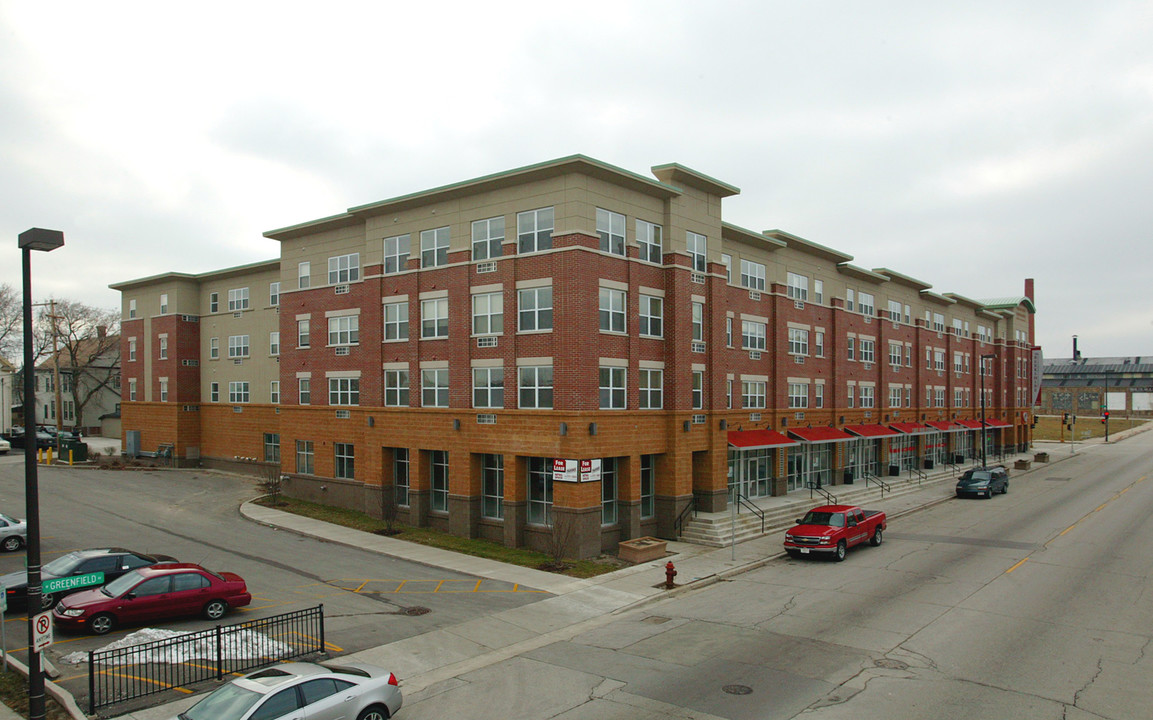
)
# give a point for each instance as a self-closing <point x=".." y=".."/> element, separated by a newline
<point x="565" y="343"/>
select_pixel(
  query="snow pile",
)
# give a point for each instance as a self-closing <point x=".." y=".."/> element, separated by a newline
<point x="234" y="645"/>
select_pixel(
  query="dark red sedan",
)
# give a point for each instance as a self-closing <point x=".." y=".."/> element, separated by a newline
<point x="153" y="593"/>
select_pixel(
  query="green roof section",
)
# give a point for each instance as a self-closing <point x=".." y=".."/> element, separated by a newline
<point x="751" y="236"/>
<point x="675" y="172"/>
<point x="939" y="298"/>
<point x="197" y="277"/>
<point x="901" y="279"/>
<point x="1009" y="303"/>
<point x="799" y="243"/>
<point x="861" y="273"/>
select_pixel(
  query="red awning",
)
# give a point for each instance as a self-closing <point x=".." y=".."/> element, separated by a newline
<point x="871" y="431"/>
<point x="944" y="425"/>
<point x="970" y="424"/>
<point x="911" y="428"/>
<point x="758" y="439"/>
<point x="820" y="434"/>
<point x="995" y="422"/>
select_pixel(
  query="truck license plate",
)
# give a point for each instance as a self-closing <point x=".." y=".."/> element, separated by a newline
<point x="804" y="551"/>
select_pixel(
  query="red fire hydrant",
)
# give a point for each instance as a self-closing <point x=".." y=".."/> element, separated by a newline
<point x="670" y="573"/>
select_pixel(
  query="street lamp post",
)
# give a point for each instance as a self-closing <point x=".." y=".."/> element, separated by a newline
<point x="984" y="427"/>
<point x="45" y="241"/>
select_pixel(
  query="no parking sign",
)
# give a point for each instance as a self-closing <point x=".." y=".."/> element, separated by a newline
<point x="41" y="631"/>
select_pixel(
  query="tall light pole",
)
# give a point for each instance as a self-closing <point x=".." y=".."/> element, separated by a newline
<point x="45" y="241"/>
<point x="984" y="427"/>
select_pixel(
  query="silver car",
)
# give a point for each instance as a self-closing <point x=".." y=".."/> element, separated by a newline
<point x="13" y="533"/>
<point x="317" y="691"/>
<point x="5" y="446"/>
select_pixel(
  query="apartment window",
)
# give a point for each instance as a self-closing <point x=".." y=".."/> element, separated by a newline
<point x="274" y="294"/>
<point x="612" y="388"/>
<point x="400" y="475"/>
<point x="798" y="395"/>
<point x="894" y="397"/>
<point x="894" y="311"/>
<point x="132" y="349"/>
<point x="938" y="359"/>
<point x="818" y="396"/>
<point x="304" y="275"/>
<point x="534" y="230"/>
<point x="867" y="396"/>
<point x="908" y="397"/>
<point x="539" y="490"/>
<point x="344" y="391"/>
<point x="957" y="327"/>
<point x="851" y="399"/>
<point x="698" y="251"/>
<point x="729" y="394"/>
<point x="868" y="350"/>
<point x="798" y="341"/>
<point x="798" y="286"/>
<point x="163" y="303"/>
<point x="752" y="275"/>
<point x="752" y="394"/>
<point x="132" y="308"/>
<point x="652" y="389"/>
<point x="819" y="343"/>
<point x="238" y="392"/>
<point x="958" y="397"/>
<point x="908" y="315"/>
<point x="612" y="310"/>
<point x="438" y="479"/>
<point x="535" y="309"/>
<point x="939" y="397"/>
<point x="957" y="362"/>
<point x="214" y="302"/>
<point x="345" y="461"/>
<point x="487" y="236"/>
<point x="649" y="241"/>
<point x="272" y="447"/>
<point x="752" y="335"/>
<point x="304" y="391"/>
<point x="728" y="332"/>
<point x="698" y="391"/>
<point x="434" y="247"/>
<point x="850" y="299"/>
<point x="396" y="251"/>
<point x="698" y="322"/>
<point x="866" y="304"/>
<point x="487" y="313"/>
<point x="611" y="228"/>
<point x="304" y="457"/>
<point x="396" y="321"/>
<point x="132" y="388"/>
<point x="163" y="391"/>
<point x="396" y="388"/>
<point x="908" y="356"/>
<point x="727" y="261"/>
<point x="535" y="384"/>
<point x="488" y="387"/>
<point x="344" y="330"/>
<point x="237" y="299"/>
<point x="648" y="486"/>
<point x="819" y="291"/>
<point x="852" y="348"/>
<point x="213" y="391"/>
<point x="302" y="333"/>
<point x="434" y="318"/>
<point x="492" y="486"/>
<point x="609" y="491"/>
<point x="274" y="343"/>
<point x="895" y="354"/>
<point x="163" y="347"/>
<point x="274" y="392"/>
<point x="344" y="268"/>
<point x="938" y="322"/>
<point x="237" y="346"/>
<point x="434" y="387"/>
<point x="652" y="313"/>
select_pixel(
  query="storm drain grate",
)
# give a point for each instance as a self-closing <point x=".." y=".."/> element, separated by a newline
<point x="738" y="689"/>
<point x="414" y="610"/>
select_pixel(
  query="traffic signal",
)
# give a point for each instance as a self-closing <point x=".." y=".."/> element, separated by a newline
<point x="1105" y="418"/>
<point x="1065" y="420"/>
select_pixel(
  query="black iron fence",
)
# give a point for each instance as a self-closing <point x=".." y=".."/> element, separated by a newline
<point x="121" y="674"/>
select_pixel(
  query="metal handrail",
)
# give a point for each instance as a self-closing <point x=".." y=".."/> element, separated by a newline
<point x="690" y="508"/>
<point x="914" y="470"/>
<point x="885" y="487"/>
<point x="744" y="500"/>
<point x="830" y="498"/>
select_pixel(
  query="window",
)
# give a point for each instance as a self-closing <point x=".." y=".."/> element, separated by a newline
<point x="938" y="322"/>
<point x="344" y="330"/>
<point x="958" y="364"/>
<point x="238" y="346"/>
<point x="867" y="397"/>
<point x="344" y="268"/>
<point x="237" y="299"/>
<point x="344" y="391"/>
<point x="611" y="228"/>
<point x="649" y="241"/>
<point x="345" y="465"/>
<point x="727" y="261"/>
<point x="434" y="247"/>
<point x="868" y="350"/>
<point x="438" y="479"/>
<point x="274" y="294"/>
<point x="798" y="341"/>
<point x="487" y="236"/>
<point x="895" y="311"/>
<point x="609" y="491"/>
<point x="488" y="387"/>
<point x="652" y="389"/>
<point x="396" y="321"/>
<point x="213" y="391"/>
<point x="819" y="344"/>
<point x="434" y="387"/>
<point x="535" y="384"/>
<point x="850" y="299"/>
<point x="274" y="343"/>
<point x="648" y="486"/>
<point x="729" y="394"/>
<point x="895" y="354"/>
<point x="238" y="392"/>
<point x="819" y="291"/>
<point x="939" y="397"/>
<point x="304" y="275"/>
<point x="798" y="395"/>
<point x="302" y="333"/>
<point x="163" y="390"/>
<point x="752" y="275"/>
<point x="214" y="302"/>
<point x="400" y="475"/>
<point x="132" y="308"/>
<point x="492" y="486"/>
<point x="396" y="253"/>
<point x="852" y="348"/>
<point x="698" y="390"/>
<point x="534" y="230"/>
<point x="163" y="347"/>
<point x="274" y="392"/>
<point x="612" y="310"/>
<point x="698" y="251"/>
<point x="539" y="490"/>
<point x="698" y="322"/>
<point x="434" y="318"/>
<point x="752" y="393"/>
<point x="894" y="396"/>
<point x="131" y="349"/>
<point x="908" y="397"/>
<point x="752" y="335"/>
<point x="535" y="309"/>
<point x="865" y="305"/>
<point x="938" y="359"/>
<point x="487" y="313"/>
<point x="652" y="313"/>
<point x="304" y="390"/>
<point x="818" y="396"/>
<point x="798" y="286"/>
<point x="163" y="303"/>
<point x="304" y="457"/>
<point x="396" y="388"/>
<point x="272" y="447"/>
<point x="728" y="332"/>
<point x="612" y="388"/>
<point x="958" y="397"/>
<point x="851" y="396"/>
<point x="132" y="388"/>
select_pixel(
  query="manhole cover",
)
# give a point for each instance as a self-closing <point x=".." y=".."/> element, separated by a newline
<point x="891" y="664"/>
<point x="415" y="610"/>
<point x="738" y="689"/>
<point x="655" y="620"/>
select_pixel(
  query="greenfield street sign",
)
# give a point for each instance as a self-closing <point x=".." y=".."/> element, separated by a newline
<point x="72" y="583"/>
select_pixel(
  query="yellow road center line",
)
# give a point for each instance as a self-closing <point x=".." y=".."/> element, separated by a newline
<point x="1019" y="564"/>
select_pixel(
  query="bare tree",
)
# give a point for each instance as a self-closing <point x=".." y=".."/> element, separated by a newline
<point x="559" y="541"/>
<point x="11" y="308"/>
<point x="389" y="509"/>
<point x="272" y="483"/>
<point x="88" y="339"/>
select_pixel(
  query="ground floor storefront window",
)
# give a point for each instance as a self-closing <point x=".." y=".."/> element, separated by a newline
<point x="861" y="458"/>
<point x="903" y="452"/>
<point x="751" y="472"/>
<point x="492" y="486"/>
<point x="438" y="479"/>
<point x="540" y="490"/>
<point x="810" y="463"/>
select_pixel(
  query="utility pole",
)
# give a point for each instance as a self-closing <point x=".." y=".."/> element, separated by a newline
<point x="59" y="414"/>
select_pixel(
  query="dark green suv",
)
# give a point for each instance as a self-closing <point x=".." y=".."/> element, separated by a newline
<point x="983" y="482"/>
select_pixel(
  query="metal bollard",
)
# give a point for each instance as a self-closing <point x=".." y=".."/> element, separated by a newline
<point x="670" y="573"/>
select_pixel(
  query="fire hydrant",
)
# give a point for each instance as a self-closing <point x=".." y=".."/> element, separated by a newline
<point x="670" y="573"/>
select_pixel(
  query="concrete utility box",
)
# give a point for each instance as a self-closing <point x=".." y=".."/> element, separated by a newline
<point x="639" y="550"/>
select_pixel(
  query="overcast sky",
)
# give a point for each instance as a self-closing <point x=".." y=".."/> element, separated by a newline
<point x="969" y="147"/>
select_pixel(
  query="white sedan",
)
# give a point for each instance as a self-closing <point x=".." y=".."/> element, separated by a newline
<point x="13" y="533"/>
<point x="5" y="446"/>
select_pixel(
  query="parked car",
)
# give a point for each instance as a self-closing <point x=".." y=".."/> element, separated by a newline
<point x="64" y="435"/>
<point x="113" y="562"/>
<point x="13" y="533"/>
<point x="833" y="529"/>
<point x="5" y="446"/>
<point x="983" y="481"/>
<point x="324" y="691"/>
<point x="43" y="439"/>
<point x="156" y="592"/>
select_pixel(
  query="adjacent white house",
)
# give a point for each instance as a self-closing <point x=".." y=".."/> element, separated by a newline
<point x="89" y="385"/>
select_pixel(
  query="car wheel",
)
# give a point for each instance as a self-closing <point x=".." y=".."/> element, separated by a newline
<point x="101" y="624"/>
<point x="793" y="552"/>
<point x="877" y="538"/>
<point x="12" y="543"/>
<point x="839" y="555"/>
<point x="374" y="712"/>
<point x="1005" y="490"/>
<point x="215" y="609"/>
<point x="47" y="601"/>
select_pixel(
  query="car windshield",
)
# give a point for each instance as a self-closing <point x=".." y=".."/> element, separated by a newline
<point x="824" y="518"/>
<point x="63" y="565"/>
<point x="122" y="584"/>
<point x="974" y="477"/>
<point x="226" y="703"/>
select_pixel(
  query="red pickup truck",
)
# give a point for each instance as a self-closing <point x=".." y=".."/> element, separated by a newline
<point x="833" y="529"/>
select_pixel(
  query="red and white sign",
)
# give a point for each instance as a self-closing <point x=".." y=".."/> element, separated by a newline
<point x="41" y="631"/>
<point x="590" y="470"/>
<point x="564" y="470"/>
